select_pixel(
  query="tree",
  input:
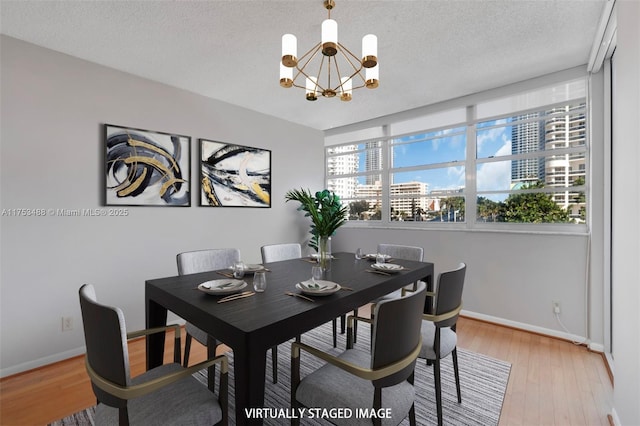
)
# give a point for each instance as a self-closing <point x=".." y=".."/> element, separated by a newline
<point x="533" y="208"/>
<point x="357" y="207"/>
<point x="580" y="198"/>
<point x="489" y="210"/>
<point x="454" y="206"/>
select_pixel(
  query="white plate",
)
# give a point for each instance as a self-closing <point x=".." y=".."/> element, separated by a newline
<point x="326" y="288"/>
<point x="250" y="268"/>
<point x="387" y="267"/>
<point x="222" y="287"/>
<point x="315" y="256"/>
<point x="373" y="256"/>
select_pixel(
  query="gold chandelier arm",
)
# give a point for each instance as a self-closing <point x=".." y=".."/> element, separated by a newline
<point x="358" y="68"/>
<point x="311" y="53"/>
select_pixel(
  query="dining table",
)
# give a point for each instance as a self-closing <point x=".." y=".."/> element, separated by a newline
<point x="252" y="325"/>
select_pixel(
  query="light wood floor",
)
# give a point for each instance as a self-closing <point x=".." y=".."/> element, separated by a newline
<point x="552" y="382"/>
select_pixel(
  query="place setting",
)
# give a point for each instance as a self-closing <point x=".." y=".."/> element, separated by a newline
<point x="381" y="265"/>
<point x="231" y="288"/>
<point x="239" y="269"/>
<point x="316" y="286"/>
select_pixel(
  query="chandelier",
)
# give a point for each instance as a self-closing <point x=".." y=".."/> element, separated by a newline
<point x="329" y="68"/>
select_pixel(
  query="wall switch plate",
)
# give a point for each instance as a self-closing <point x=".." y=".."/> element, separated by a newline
<point x="67" y="323"/>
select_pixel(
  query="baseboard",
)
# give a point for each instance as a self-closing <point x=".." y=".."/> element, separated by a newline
<point x="613" y="418"/>
<point x="41" y="362"/>
<point x="62" y="356"/>
<point x="527" y="327"/>
<point x="608" y="363"/>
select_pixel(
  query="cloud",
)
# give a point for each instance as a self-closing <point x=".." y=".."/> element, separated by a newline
<point x="495" y="176"/>
<point x="491" y="135"/>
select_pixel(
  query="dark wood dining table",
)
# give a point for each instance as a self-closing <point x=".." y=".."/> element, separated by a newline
<point x="252" y="325"/>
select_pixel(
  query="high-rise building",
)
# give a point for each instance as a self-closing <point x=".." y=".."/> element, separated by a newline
<point x="566" y="130"/>
<point x="562" y="128"/>
<point x="372" y="160"/>
<point x="527" y="137"/>
<point x="343" y="165"/>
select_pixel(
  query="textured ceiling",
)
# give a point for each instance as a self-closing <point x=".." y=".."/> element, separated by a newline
<point x="428" y="51"/>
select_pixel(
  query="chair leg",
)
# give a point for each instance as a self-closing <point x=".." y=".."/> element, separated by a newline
<point x="377" y="405"/>
<point x="334" y="327"/>
<point x="454" y="356"/>
<point x="343" y="321"/>
<point x="355" y="326"/>
<point x="123" y="416"/>
<point x="295" y="381"/>
<point x="274" y="363"/>
<point x="187" y="350"/>
<point x="412" y="415"/>
<point x="436" y="379"/>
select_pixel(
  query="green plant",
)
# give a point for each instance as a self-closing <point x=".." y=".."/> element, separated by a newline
<point x="325" y="210"/>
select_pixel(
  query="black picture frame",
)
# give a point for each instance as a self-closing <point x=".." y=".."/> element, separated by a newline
<point x="233" y="175"/>
<point x="146" y="167"/>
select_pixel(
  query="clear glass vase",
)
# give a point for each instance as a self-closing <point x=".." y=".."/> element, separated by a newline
<point x="324" y="253"/>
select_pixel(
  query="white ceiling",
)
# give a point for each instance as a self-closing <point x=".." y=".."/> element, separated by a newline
<point x="428" y="51"/>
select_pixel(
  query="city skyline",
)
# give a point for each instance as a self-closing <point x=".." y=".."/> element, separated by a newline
<point x="535" y="135"/>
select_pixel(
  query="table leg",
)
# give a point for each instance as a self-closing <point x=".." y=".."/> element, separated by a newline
<point x="212" y="345"/>
<point x="156" y="317"/>
<point x="249" y="370"/>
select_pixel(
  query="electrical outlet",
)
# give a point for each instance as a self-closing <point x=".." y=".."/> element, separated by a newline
<point x="67" y="323"/>
<point x="556" y="307"/>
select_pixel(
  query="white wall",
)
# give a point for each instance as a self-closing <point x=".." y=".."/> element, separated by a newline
<point x="53" y="107"/>
<point x="512" y="278"/>
<point x="626" y="205"/>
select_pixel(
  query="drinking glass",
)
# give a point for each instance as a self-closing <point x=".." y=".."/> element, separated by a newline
<point x="260" y="281"/>
<point x="379" y="258"/>
<point x="358" y="253"/>
<point x="316" y="273"/>
<point x="238" y="270"/>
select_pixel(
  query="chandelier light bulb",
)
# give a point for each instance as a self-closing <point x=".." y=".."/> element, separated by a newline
<point x="311" y="85"/>
<point x="369" y="51"/>
<point x="329" y="37"/>
<point x="371" y="77"/>
<point x="289" y="50"/>
<point x="286" y="76"/>
<point x="345" y="91"/>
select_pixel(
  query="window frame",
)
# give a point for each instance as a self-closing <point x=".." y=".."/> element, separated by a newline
<point x="471" y="163"/>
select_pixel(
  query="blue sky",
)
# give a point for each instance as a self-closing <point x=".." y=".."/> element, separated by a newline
<point x="450" y="145"/>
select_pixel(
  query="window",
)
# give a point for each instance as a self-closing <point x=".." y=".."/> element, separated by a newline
<point x="353" y="172"/>
<point x="530" y="168"/>
<point x="427" y="176"/>
<point x="481" y="165"/>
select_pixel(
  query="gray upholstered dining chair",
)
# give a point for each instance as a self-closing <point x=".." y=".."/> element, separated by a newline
<point x="286" y="251"/>
<point x="168" y="394"/>
<point x="278" y="252"/>
<point x="438" y="331"/>
<point x="192" y="262"/>
<point x="400" y="252"/>
<point x="358" y="379"/>
<point x="395" y="251"/>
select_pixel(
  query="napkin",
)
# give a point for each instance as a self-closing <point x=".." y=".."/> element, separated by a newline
<point x="310" y="285"/>
<point x="227" y="285"/>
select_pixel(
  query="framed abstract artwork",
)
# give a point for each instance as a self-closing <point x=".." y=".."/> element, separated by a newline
<point x="146" y="168"/>
<point x="234" y="175"/>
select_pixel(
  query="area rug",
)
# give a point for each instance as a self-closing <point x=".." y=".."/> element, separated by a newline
<point x="483" y="382"/>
